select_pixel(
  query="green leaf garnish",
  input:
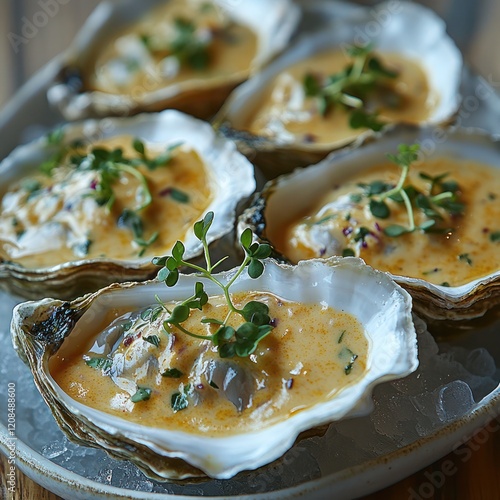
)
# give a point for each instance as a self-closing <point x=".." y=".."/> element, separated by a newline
<point x="465" y="258"/>
<point x="229" y="341"/>
<point x="110" y="165"/>
<point x="351" y="87"/>
<point x="179" y="400"/>
<point x="142" y="394"/>
<point x="100" y="363"/>
<point x="172" y="373"/>
<point x="187" y="47"/>
<point x="153" y="339"/>
<point x="495" y="237"/>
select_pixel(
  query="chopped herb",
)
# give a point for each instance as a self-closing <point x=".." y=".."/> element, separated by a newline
<point x="82" y="249"/>
<point x="142" y="394"/>
<point x="355" y="197"/>
<point x="348" y="252"/>
<point x="131" y="220"/>
<point x="213" y="384"/>
<point x="55" y="137"/>
<point x="361" y="233"/>
<point x="229" y="341"/>
<point x="151" y="314"/>
<point x="178" y="195"/>
<point x="492" y="196"/>
<point x="341" y="337"/>
<point x="495" y="237"/>
<point x="172" y="373"/>
<point x="465" y="257"/>
<point x="445" y="283"/>
<point x="153" y="339"/>
<point x="179" y="400"/>
<point x="187" y="47"/>
<point x="100" y="363"/>
<point x="432" y="271"/>
<point x="348" y="367"/>
<point x="31" y="186"/>
<point x="346" y="352"/>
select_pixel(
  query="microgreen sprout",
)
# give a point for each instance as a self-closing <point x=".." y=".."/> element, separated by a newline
<point x="351" y="87"/>
<point x="442" y="195"/>
<point x="110" y="165"/>
<point x="229" y="341"/>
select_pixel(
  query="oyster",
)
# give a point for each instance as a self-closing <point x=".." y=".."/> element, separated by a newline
<point x="49" y="332"/>
<point x="168" y="54"/>
<point x="447" y="261"/>
<point x="92" y="222"/>
<point x="324" y="93"/>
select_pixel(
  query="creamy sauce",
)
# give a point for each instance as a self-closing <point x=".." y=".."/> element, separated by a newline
<point x="306" y="359"/>
<point x="288" y="115"/>
<point x="61" y="220"/>
<point x="467" y="252"/>
<point x="141" y="59"/>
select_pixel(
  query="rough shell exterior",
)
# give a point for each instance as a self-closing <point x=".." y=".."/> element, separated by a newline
<point x="382" y="307"/>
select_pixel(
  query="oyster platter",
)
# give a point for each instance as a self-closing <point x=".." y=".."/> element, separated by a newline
<point x="248" y="248"/>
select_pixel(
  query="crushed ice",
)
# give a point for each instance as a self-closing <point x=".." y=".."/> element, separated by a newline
<point x="450" y="381"/>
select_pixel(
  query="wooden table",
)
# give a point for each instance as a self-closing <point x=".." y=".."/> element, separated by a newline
<point x="472" y="472"/>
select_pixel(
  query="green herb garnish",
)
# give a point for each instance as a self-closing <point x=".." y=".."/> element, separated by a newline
<point x="495" y="237"/>
<point x="187" y="47"/>
<point x="465" y="257"/>
<point x="172" y="373"/>
<point x="142" y="394"/>
<point x="100" y="363"/>
<point x="153" y="339"/>
<point x="110" y="166"/>
<point x="351" y="87"/>
<point x="179" y="400"/>
<point x="441" y="196"/>
<point x="341" y="337"/>
<point x="229" y="341"/>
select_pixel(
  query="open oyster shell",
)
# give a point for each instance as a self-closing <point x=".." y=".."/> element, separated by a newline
<point x="39" y="330"/>
<point x="409" y="30"/>
<point x="273" y="23"/>
<point x="272" y="209"/>
<point x="231" y="181"/>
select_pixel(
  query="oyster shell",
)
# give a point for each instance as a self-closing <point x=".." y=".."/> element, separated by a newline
<point x="229" y="179"/>
<point x="411" y="32"/>
<point x="273" y="24"/>
<point x="271" y="211"/>
<point x="41" y="329"/>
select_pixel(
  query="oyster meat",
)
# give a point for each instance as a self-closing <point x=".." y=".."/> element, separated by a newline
<point x="178" y="409"/>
